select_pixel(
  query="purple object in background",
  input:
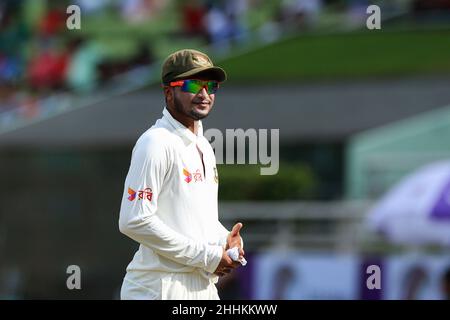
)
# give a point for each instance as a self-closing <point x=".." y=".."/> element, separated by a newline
<point x="416" y="211"/>
<point x="246" y="277"/>
<point x="441" y="210"/>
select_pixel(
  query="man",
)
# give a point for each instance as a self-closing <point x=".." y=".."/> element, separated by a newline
<point x="169" y="205"/>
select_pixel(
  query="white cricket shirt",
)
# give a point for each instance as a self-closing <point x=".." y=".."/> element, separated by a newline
<point x="170" y="204"/>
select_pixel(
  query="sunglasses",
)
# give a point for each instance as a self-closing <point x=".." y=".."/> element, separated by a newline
<point x="194" y="86"/>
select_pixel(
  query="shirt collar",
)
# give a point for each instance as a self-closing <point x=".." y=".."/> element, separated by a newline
<point x="182" y="130"/>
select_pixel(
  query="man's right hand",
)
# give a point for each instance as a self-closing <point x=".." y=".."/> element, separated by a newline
<point x="226" y="265"/>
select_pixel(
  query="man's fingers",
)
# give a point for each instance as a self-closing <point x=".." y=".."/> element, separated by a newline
<point x="241" y="252"/>
<point x="228" y="260"/>
<point x="236" y="228"/>
<point x="232" y="264"/>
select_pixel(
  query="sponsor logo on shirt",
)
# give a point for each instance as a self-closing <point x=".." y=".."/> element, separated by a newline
<point x="188" y="176"/>
<point x="197" y="176"/>
<point x="145" y="194"/>
<point x="132" y="194"/>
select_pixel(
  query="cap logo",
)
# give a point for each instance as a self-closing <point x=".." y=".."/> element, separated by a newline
<point x="200" y="60"/>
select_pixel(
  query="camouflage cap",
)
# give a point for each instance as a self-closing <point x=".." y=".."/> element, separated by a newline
<point x="187" y="63"/>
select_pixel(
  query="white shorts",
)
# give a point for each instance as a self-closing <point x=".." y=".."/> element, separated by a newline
<point x="168" y="286"/>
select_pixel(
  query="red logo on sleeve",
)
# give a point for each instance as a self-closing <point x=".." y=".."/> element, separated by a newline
<point x="145" y="194"/>
<point x="132" y="194"/>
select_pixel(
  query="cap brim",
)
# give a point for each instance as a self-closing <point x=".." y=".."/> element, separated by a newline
<point x="207" y="73"/>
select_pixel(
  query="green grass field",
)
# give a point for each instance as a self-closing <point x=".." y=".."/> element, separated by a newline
<point x="350" y="55"/>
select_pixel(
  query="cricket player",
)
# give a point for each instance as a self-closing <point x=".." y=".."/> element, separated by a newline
<point x="169" y="204"/>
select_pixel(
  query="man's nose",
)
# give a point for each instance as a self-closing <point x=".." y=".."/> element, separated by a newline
<point x="203" y="92"/>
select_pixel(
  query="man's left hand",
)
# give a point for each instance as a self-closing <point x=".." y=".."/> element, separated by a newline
<point x="234" y="239"/>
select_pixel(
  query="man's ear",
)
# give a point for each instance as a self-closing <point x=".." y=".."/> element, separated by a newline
<point x="169" y="93"/>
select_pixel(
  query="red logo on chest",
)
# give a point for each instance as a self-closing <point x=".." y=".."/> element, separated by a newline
<point x="198" y="176"/>
<point x="188" y="176"/>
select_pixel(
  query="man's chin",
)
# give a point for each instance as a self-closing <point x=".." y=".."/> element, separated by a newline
<point x="198" y="115"/>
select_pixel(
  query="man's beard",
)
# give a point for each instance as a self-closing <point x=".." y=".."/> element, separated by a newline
<point x="191" y="114"/>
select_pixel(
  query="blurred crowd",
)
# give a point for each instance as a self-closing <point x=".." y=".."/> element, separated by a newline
<point x="41" y="58"/>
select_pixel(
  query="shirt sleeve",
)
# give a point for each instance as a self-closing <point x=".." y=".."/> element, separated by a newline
<point x="150" y="163"/>
<point x="223" y="234"/>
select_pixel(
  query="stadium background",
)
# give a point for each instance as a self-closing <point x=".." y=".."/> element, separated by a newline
<point x="73" y="103"/>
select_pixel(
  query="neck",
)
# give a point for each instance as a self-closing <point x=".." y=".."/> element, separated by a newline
<point x="188" y="122"/>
